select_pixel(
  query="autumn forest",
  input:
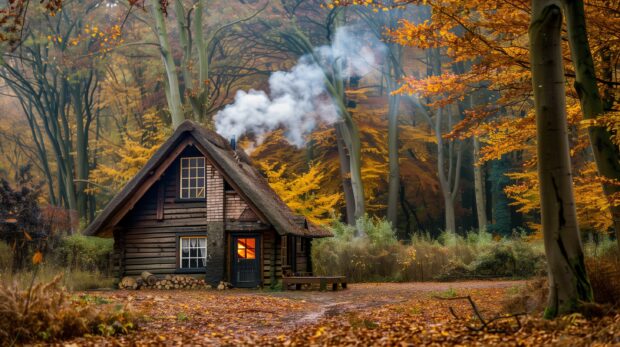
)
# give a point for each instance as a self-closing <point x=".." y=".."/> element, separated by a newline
<point x="456" y="162"/>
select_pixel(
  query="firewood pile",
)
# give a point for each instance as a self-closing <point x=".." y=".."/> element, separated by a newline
<point x="149" y="281"/>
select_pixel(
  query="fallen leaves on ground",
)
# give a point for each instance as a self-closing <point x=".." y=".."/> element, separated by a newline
<point x="201" y="317"/>
<point x="360" y="316"/>
<point x="427" y="320"/>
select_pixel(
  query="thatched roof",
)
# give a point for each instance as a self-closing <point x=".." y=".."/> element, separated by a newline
<point x="235" y="166"/>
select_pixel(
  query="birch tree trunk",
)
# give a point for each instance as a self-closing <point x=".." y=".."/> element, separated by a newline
<point x="606" y="153"/>
<point x="174" y="94"/>
<point x="568" y="281"/>
<point x="345" y="173"/>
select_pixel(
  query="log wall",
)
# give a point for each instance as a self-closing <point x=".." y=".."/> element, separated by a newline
<point x="146" y="238"/>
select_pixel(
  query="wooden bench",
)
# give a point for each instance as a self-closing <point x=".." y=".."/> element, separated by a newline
<point x="323" y="281"/>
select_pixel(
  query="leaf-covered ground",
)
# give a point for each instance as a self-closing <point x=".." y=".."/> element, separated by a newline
<point x="366" y="314"/>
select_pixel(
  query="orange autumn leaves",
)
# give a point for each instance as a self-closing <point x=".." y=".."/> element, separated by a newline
<point x="37" y="258"/>
<point x="489" y="41"/>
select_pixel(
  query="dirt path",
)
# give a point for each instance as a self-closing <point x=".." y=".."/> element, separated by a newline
<point x="364" y="296"/>
<point x="179" y="317"/>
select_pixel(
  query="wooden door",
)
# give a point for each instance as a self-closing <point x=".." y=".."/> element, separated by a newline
<point x="245" y="257"/>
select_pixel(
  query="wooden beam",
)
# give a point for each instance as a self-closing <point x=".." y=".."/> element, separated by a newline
<point x="161" y="192"/>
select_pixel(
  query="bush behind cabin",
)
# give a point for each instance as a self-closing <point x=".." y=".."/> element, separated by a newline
<point x="84" y="262"/>
<point x="381" y="257"/>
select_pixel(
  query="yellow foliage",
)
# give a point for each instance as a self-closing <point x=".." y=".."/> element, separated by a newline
<point x="302" y="192"/>
<point x="125" y="160"/>
<point x="592" y="205"/>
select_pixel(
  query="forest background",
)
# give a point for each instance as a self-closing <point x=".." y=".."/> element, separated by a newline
<point x="436" y="133"/>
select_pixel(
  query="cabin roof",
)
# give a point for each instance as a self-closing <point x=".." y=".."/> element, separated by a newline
<point x="234" y="164"/>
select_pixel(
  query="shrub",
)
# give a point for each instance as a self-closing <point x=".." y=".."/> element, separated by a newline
<point x="46" y="312"/>
<point x="81" y="252"/>
<point x="381" y="257"/>
<point x="72" y="279"/>
<point x="371" y="258"/>
<point x="604" y="274"/>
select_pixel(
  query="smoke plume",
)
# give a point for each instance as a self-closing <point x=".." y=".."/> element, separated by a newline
<point x="298" y="100"/>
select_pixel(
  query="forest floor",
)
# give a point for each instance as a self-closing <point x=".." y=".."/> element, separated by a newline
<point x="365" y="314"/>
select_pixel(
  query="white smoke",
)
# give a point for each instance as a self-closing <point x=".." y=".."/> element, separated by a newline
<point x="298" y="101"/>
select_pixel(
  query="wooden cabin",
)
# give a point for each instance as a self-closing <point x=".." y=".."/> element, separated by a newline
<point x="199" y="207"/>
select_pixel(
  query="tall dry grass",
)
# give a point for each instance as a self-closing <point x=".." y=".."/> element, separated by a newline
<point x="81" y="261"/>
<point x="381" y="257"/>
<point x="45" y="311"/>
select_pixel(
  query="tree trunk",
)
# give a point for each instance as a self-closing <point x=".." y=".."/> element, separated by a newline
<point x="606" y="153"/>
<point x="345" y="172"/>
<point x="479" y="187"/>
<point x="353" y="142"/>
<point x="450" y="217"/>
<point x="81" y="150"/>
<point x="568" y="281"/>
<point x="174" y="96"/>
<point x="394" y="167"/>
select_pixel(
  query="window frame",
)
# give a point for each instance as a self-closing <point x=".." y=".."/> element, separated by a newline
<point x="180" y="180"/>
<point x="179" y="257"/>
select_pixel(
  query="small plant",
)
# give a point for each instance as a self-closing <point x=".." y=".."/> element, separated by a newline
<point x="182" y="317"/>
<point x="357" y="322"/>
<point x="92" y="299"/>
<point x="448" y="293"/>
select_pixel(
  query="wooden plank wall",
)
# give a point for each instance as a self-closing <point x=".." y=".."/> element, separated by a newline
<point x="150" y="244"/>
<point x="271" y="256"/>
<point x="302" y="256"/>
<point x="147" y="236"/>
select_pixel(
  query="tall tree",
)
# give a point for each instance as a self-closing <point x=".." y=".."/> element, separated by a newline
<point x="295" y="39"/>
<point x="197" y="50"/>
<point x="606" y="153"/>
<point x="568" y="280"/>
<point x="58" y="96"/>
<point x="378" y="22"/>
<point x="173" y="92"/>
<point x="479" y="186"/>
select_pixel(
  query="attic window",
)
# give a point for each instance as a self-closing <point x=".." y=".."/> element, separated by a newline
<point x="192" y="178"/>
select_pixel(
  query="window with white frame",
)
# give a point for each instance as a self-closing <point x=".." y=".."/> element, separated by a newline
<point x="192" y="185"/>
<point x="193" y="252"/>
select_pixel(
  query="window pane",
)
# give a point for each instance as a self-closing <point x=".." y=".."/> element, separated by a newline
<point x="192" y="180"/>
<point x="250" y="243"/>
<point x="201" y="263"/>
<point x="202" y="242"/>
<point x="193" y="263"/>
<point x="185" y="263"/>
<point x="185" y="243"/>
<point x="251" y="254"/>
<point x="193" y="252"/>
